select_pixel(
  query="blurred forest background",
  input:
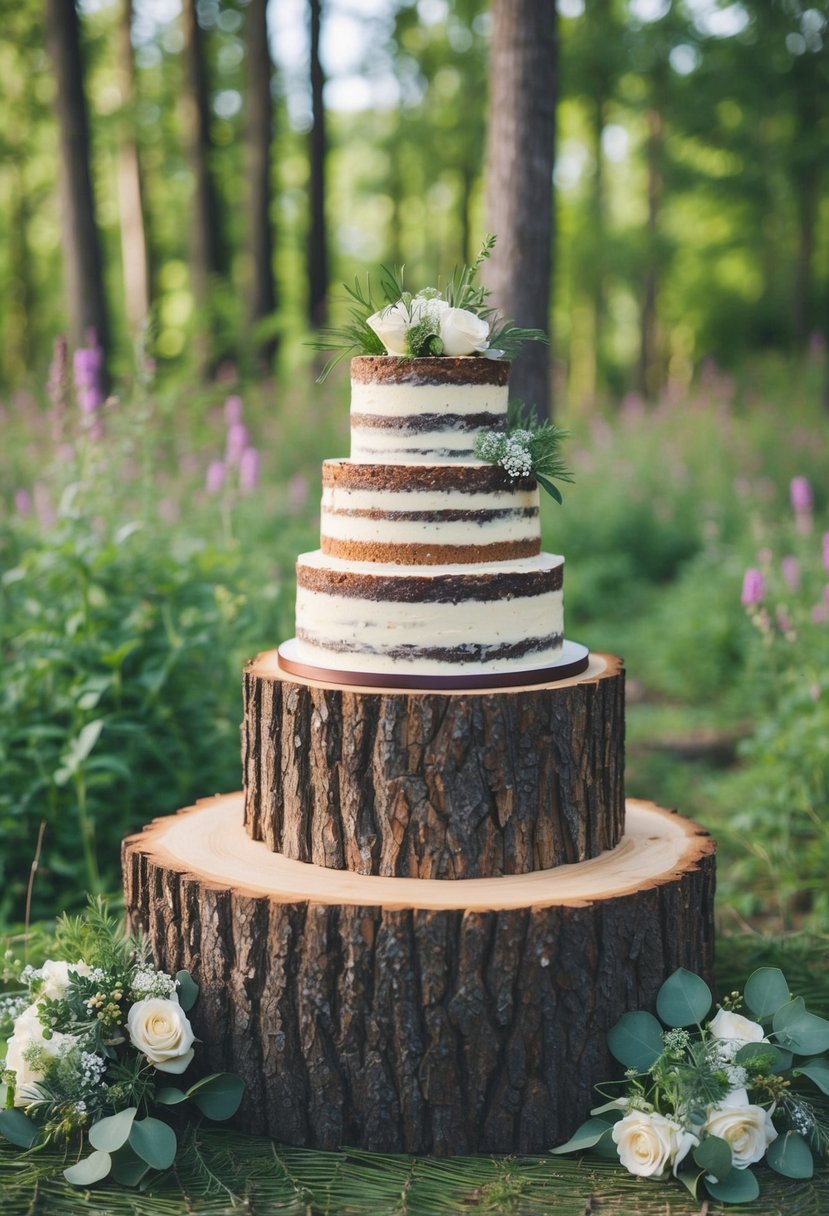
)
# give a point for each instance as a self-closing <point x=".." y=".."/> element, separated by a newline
<point x="245" y="156"/>
<point x="183" y="187"/>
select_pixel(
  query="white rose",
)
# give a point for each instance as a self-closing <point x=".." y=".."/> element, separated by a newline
<point x="734" y="1031"/>
<point x="747" y="1128"/>
<point x="462" y="332"/>
<point x="28" y="1032"/>
<point x="161" y="1032"/>
<point x="391" y="326"/>
<point x="649" y="1144"/>
<point x="56" y="973"/>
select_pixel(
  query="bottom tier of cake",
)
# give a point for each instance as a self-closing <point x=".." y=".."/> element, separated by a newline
<point x="417" y="1015"/>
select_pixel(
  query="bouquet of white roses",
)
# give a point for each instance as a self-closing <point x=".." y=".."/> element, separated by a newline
<point x="704" y="1101"/>
<point x="92" y="1045"/>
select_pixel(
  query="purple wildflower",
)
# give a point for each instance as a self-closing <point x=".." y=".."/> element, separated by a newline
<point x="215" y="479"/>
<point x="754" y="588"/>
<point x="233" y="410"/>
<point x="88" y="366"/>
<point x="800" y="493"/>
<point x="790" y="567"/>
<point x="237" y="441"/>
<point x="23" y="502"/>
<point x="249" y="466"/>
<point x="826" y="550"/>
<point x="297" y="492"/>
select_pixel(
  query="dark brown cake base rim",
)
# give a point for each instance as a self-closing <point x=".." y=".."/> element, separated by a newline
<point x="573" y="661"/>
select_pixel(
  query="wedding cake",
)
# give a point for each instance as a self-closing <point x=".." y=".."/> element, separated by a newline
<point x="430" y="559"/>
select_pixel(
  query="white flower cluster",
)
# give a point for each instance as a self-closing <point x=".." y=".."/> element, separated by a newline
<point x="652" y="1145"/>
<point x="460" y="331"/>
<point x="516" y="458"/>
<point x="147" y="982"/>
<point x="93" y="1068"/>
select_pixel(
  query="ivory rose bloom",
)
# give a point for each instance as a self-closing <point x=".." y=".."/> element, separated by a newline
<point x="462" y="332"/>
<point x="27" y="1034"/>
<point x="734" y="1031"/>
<point x="161" y="1032"/>
<point x="56" y="974"/>
<point x="393" y="324"/>
<point x="649" y="1144"/>
<point x="748" y="1129"/>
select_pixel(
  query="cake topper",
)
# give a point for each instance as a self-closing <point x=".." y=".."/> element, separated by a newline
<point x="455" y="321"/>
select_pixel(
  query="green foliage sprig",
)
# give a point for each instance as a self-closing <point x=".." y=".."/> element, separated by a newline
<point x="527" y="448"/>
<point x="419" y="317"/>
<point x="94" y="1039"/>
<point x="705" y="1100"/>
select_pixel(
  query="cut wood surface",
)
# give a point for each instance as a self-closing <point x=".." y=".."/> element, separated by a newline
<point x="417" y="1015"/>
<point x="434" y="784"/>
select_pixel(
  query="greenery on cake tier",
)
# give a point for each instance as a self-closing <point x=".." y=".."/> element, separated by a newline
<point x="454" y="321"/>
<point x="527" y="448"/>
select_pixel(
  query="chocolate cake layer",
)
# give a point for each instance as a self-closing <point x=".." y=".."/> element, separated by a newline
<point x="425" y="554"/>
<point x="465" y="370"/>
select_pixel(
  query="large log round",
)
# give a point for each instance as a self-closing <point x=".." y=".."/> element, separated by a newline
<point x="417" y="1015"/>
<point x="435" y="784"/>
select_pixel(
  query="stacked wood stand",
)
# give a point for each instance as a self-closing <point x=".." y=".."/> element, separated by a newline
<point x="414" y="928"/>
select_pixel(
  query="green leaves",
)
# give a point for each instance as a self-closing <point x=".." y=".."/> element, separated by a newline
<point x="765" y="991"/>
<point x="790" y="1155"/>
<point x="18" y="1129"/>
<point x="585" y="1137"/>
<point x="126" y="1146"/>
<point x="817" y="1071"/>
<point x="713" y="1156"/>
<point x="739" y="1186"/>
<point x="112" y="1132"/>
<point x="154" y="1142"/>
<point x="636" y="1040"/>
<point x="802" y="1032"/>
<point x="188" y="990"/>
<point x="218" y="1096"/>
<point x="684" y="999"/>
<point x="91" y="1169"/>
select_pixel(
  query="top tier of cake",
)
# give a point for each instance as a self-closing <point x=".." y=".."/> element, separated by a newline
<point x="429" y="559"/>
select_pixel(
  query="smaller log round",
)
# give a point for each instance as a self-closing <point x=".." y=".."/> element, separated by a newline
<point x="406" y="1015"/>
<point x="428" y="784"/>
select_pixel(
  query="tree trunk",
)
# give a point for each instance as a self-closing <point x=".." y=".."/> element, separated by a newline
<point x="207" y="263"/>
<point x="262" y="300"/>
<point x="411" y="1015"/>
<point x="435" y="785"/>
<point x="134" y="255"/>
<point x="83" y="260"/>
<point x="523" y="81"/>
<point x="318" y="235"/>
<point x="650" y="370"/>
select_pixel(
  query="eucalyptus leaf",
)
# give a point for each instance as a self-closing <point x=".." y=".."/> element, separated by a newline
<point x="684" y="999"/>
<point x="550" y="487"/>
<point x="18" y="1128"/>
<point x="218" y="1096"/>
<point x="606" y="1146"/>
<point x="111" y="1132"/>
<point x="154" y="1141"/>
<point x="816" y="1070"/>
<point x="170" y="1096"/>
<point x="765" y="991"/>
<point x="636" y="1040"/>
<point x="775" y="1059"/>
<point x="92" y="1169"/>
<point x="713" y="1156"/>
<point x="741" y="1186"/>
<point x="803" y="1032"/>
<point x="690" y="1179"/>
<point x="791" y="1156"/>
<point x="128" y="1169"/>
<point x="584" y="1137"/>
<point x="187" y="990"/>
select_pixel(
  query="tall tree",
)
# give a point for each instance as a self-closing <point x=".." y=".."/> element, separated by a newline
<point x="83" y="261"/>
<point x="134" y="255"/>
<point x="520" y="149"/>
<point x="318" y="235"/>
<point x="259" y="135"/>
<point x="207" y="248"/>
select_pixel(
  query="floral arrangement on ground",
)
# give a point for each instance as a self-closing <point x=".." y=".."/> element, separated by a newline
<point x="704" y="1101"/>
<point x="93" y="1041"/>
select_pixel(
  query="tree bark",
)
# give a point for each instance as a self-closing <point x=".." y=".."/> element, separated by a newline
<point x="416" y="1016"/>
<point x="318" y="235"/>
<point x="435" y="785"/>
<point x="650" y="370"/>
<point x="83" y="260"/>
<point x="262" y="299"/>
<point x="520" y="150"/>
<point x="134" y="255"/>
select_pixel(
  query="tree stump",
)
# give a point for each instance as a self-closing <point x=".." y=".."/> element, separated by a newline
<point x="458" y="784"/>
<point x="402" y="1014"/>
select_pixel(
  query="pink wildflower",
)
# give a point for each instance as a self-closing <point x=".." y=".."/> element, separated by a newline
<point x="237" y="441"/>
<point x="754" y="588"/>
<point x="791" y="572"/>
<point x="249" y="465"/>
<point x="233" y="410"/>
<point x="826" y="550"/>
<point x="215" y="478"/>
<point x="23" y="502"/>
<point x="800" y="493"/>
